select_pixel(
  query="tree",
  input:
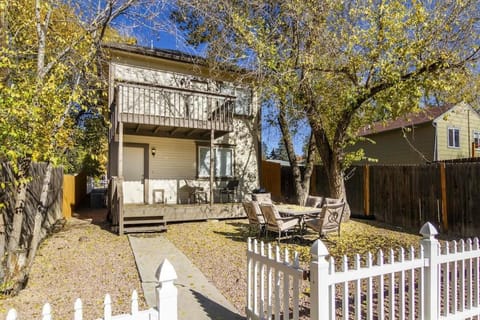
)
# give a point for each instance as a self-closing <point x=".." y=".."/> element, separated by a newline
<point x="273" y="154"/>
<point x="343" y="64"/>
<point x="50" y="67"/>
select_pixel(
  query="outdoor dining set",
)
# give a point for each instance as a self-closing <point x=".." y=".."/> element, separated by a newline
<point x="322" y="215"/>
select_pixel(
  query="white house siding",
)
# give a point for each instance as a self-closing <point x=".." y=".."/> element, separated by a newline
<point x="175" y="165"/>
<point x="173" y="169"/>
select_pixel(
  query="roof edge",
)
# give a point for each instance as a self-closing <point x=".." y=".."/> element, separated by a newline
<point x="157" y="53"/>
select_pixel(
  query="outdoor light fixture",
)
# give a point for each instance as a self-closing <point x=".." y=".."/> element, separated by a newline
<point x="154" y="151"/>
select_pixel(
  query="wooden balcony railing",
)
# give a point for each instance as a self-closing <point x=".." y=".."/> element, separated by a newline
<point x="173" y="107"/>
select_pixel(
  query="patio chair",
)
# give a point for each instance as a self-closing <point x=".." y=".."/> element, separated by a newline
<point x="198" y="195"/>
<point x="274" y="222"/>
<point x="332" y="200"/>
<point x="254" y="215"/>
<point x="229" y="190"/>
<point x="315" y="202"/>
<point x="262" y="197"/>
<point x="329" y="220"/>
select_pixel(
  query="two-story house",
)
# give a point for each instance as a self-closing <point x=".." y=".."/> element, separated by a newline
<point x="433" y="134"/>
<point x="171" y="118"/>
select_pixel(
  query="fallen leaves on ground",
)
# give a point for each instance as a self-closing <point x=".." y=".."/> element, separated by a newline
<point x="82" y="261"/>
<point x="87" y="261"/>
<point x="218" y="248"/>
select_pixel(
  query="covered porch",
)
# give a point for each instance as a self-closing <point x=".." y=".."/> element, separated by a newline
<point x="154" y="217"/>
<point x="162" y="141"/>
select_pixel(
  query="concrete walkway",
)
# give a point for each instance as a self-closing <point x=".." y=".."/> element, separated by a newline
<point x="197" y="298"/>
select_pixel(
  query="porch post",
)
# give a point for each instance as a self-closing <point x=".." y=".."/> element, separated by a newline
<point x="120" y="150"/>
<point x="212" y="164"/>
<point x="120" y="178"/>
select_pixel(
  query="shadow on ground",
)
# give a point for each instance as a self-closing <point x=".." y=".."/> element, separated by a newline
<point x="96" y="216"/>
<point x="213" y="309"/>
<point x="243" y="230"/>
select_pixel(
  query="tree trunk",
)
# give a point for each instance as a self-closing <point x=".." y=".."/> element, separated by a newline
<point x="39" y="216"/>
<point x="336" y="183"/>
<point x="333" y="165"/>
<point x="14" y="274"/>
<point x="301" y="183"/>
<point x="18" y="217"/>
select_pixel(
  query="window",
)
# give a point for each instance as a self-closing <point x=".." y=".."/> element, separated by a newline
<point x="476" y="139"/>
<point x="223" y="162"/>
<point x="243" y="101"/>
<point x="454" y="138"/>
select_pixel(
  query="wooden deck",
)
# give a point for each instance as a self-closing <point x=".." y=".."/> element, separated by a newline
<point x="165" y="111"/>
<point x="185" y="212"/>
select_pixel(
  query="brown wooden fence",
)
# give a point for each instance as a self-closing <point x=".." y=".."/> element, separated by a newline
<point x="271" y="179"/>
<point x="446" y="194"/>
<point x="34" y="189"/>
<point x="74" y="190"/>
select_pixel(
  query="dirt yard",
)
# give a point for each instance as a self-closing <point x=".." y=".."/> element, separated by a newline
<point x="86" y="261"/>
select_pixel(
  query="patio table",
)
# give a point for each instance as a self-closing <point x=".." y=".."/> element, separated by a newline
<point x="298" y="211"/>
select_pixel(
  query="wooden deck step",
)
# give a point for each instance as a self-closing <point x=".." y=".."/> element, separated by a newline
<point x="144" y="228"/>
<point x="144" y="224"/>
<point x="144" y="220"/>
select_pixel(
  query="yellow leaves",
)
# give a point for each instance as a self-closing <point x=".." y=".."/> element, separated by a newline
<point x="36" y="117"/>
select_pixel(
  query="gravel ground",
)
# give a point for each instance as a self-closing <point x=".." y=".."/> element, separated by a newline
<point x="82" y="261"/>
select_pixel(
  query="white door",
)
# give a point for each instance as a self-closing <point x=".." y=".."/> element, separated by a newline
<point x="133" y="166"/>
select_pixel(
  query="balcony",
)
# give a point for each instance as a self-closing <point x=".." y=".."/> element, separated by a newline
<point x="171" y="112"/>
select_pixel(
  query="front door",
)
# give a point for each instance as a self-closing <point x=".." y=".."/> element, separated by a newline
<point x="133" y="174"/>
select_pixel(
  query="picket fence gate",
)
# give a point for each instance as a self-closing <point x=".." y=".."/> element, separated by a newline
<point x="436" y="281"/>
<point x="166" y="300"/>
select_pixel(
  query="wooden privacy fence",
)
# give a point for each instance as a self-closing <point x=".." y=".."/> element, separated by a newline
<point x="435" y="281"/>
<point x="446" y="194"/>
<point x="74" y="190"/>
<point x="271" y="179"/>
<point x="166" y="300"/>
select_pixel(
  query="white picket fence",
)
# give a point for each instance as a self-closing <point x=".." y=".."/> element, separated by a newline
<point x="271" y="277"/>
<point x="434" y="282"/>
<point x="166" y="300"/>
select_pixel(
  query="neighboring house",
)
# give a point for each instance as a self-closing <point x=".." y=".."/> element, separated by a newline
<point x="168" y="115"/>
<point x="433" y="134"/>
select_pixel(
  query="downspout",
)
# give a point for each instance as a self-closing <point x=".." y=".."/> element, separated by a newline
<point x="469" y="146"/>
<point x="435" y="141"/>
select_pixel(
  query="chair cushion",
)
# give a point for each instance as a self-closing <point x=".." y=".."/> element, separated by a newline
<point x="314" y="202"/>
<point x="262" y="198"/>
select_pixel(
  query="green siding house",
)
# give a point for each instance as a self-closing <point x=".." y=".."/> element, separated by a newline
<point x="434" y="134"/>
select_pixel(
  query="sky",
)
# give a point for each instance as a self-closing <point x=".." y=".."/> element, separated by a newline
<point x="172" y="39"/>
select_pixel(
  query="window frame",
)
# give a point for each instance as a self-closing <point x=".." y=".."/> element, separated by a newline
<point x="215" y="148"/>
<point x="455" y="143"/>
<point x="476" y="133"/>
<point x="235" y="90"/>
<point x="249" y="107"/>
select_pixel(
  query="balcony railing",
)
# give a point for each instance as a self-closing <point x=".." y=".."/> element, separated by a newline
<point x="173" y="107"/>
